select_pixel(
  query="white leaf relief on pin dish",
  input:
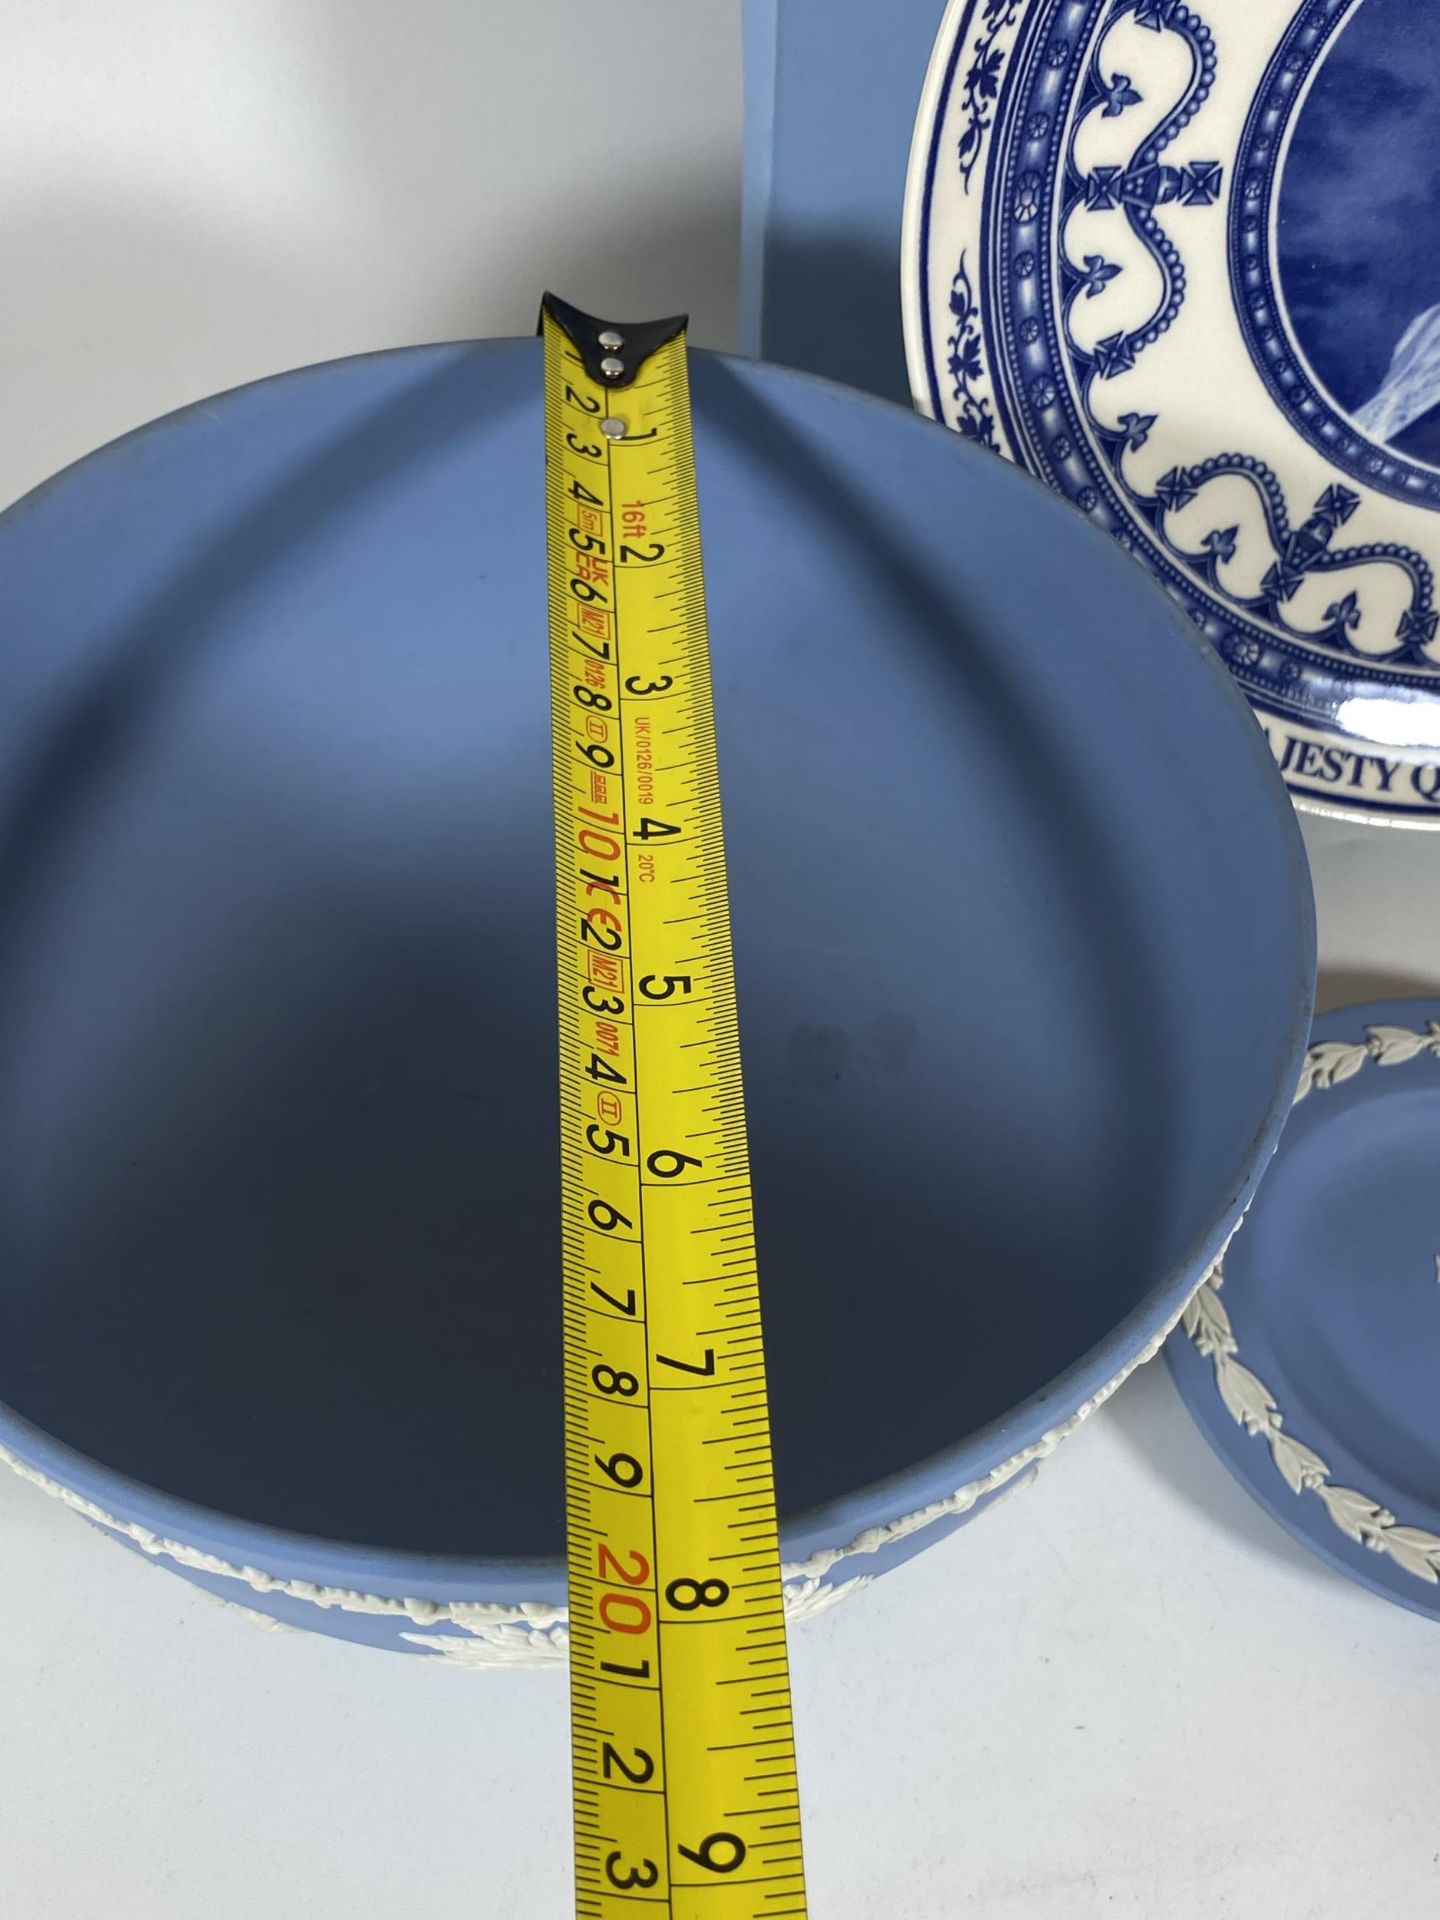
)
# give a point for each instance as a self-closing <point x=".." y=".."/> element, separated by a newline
<point x="1250" y="1402"/>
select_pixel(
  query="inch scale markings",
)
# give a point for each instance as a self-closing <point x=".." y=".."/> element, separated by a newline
<point x="671" y="1576"/>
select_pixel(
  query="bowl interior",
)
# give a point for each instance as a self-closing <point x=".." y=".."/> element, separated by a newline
<point x="1017" y="903"/>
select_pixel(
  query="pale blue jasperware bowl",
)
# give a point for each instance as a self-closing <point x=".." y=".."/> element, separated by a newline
<point x="1023" y="935"/>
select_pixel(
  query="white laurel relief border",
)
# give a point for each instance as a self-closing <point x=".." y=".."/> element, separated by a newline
<point x="1250" y="1402"/>
<point x="535" y="1633"/>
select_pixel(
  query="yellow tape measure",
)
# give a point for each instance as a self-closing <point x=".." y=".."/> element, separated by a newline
<point x="686" y="1798"/>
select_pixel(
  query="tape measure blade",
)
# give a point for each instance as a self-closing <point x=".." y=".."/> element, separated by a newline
<point x="682" y="1745"/>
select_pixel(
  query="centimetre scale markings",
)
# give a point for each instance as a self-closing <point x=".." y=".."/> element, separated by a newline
<point x="685" y="1792"/>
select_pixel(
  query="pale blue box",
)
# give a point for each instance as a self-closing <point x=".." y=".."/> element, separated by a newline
<point x="831" y="88"/>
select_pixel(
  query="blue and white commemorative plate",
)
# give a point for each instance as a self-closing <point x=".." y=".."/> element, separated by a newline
<point x="1308" y="1356"/>
<point x="1183" y="262"/>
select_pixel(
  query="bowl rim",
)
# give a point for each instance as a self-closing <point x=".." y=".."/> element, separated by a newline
<point x="946" y="1481"/>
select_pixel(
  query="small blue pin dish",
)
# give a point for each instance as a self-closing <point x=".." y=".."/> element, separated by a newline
<point x="1309" y="1355"/>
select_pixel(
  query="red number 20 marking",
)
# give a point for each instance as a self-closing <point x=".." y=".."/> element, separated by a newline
<point x="611" y="1569"/>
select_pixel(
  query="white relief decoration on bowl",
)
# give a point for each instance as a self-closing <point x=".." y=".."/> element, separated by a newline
<point x="533" y="1632"/>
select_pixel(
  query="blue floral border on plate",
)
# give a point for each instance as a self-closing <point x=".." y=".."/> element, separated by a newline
<point x="1017" y="375"/>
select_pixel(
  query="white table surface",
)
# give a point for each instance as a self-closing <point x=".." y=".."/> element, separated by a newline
<point x="1124" y="1692"/>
